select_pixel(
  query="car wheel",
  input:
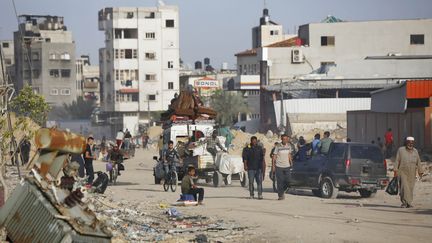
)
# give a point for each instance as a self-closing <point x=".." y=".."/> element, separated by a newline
<point x="327" y="188"/>
<point x="316" y="192"/>
<point x="367" y="193"/>
<point x="217" y="179"/>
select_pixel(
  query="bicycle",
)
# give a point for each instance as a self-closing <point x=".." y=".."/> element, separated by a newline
<point x="113" y="172"/>
<point x="171" y="179"/>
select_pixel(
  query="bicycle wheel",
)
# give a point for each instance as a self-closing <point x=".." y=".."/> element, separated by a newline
<point x="173" y="181"/>
<point x="166" y="183"/>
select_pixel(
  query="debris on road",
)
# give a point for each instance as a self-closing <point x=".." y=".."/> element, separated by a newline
<point x="149" y="222"/>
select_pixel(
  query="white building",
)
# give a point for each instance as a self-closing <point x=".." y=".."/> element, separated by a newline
<point x="140" y="62"/>
<point x="336" y="59"/>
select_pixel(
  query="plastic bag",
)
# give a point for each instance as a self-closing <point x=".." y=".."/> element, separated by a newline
<point x="393" y="186"/>
<point x="120" y="167"/>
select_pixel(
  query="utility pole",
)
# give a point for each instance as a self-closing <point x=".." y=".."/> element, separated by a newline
<point x="281" y="107"/>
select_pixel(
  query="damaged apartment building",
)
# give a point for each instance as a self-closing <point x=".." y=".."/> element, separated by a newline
<point x="327" y="69"/>
<point x="139" y="64"/>
<point x="45" y="58"/>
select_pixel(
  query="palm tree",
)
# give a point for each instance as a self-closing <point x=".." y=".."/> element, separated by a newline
<point x="228" y="106"/>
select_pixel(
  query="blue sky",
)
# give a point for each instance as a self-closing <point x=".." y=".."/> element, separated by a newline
<point x="211" y="28"/>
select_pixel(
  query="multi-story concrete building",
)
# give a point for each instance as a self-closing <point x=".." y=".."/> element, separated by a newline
<point x="87" y="81"/>
<point x="139" y="63"/>
<point x="45" y="58"/>
<point x="7" y="50"/>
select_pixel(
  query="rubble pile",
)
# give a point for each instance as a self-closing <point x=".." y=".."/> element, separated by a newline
<point x="137" y="222"/>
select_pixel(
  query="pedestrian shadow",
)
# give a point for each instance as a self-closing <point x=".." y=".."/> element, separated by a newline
<point x="364" y="205"/>
<point x="145" y="190"/>
<point x="411" y="211"/>
<point x="145" y="169"/>
<point x="231" y="197"/>
<point x="121" y="183"/>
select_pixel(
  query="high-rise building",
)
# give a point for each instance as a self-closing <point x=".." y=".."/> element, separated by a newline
<point x="7" y="50"/>
<point x="139" y="64"/>
<point x="45" y="58"/>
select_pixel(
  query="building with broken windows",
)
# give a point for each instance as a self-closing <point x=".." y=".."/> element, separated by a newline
<point x="139" y="63"/>
<point x="45" y="58"/>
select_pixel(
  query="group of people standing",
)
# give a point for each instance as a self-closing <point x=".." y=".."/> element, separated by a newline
<point x="282" y="158"/>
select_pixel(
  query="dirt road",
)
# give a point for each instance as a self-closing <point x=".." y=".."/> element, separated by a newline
<point x="301" y="217"/>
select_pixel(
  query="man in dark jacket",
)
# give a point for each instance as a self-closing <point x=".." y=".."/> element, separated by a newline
<point x="253" y="159"/>
<point x="25" y="150"/>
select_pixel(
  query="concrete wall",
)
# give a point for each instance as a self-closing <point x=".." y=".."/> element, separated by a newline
<point x="365" y="126"/>
<point x="321" y="106"/>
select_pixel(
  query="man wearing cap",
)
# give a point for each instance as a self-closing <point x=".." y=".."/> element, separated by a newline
<point x="406" y="166"/>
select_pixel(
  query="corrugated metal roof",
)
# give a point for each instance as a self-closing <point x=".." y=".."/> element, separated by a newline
<point x="419" y="89"/>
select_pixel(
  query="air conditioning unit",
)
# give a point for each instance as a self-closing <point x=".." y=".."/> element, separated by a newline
<point x="297" y="56"/>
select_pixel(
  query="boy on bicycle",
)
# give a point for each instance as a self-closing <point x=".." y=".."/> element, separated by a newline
<point x="170" y="157"/>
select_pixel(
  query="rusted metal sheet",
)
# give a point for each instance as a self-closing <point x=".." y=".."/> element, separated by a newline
<point x="53" y="139"/>
<point x="32" y="215"/>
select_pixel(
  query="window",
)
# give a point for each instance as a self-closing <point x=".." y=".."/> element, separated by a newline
<point x="65" y="73"/>
<point x="150" y="35"/>
<point x="54" y="92"/>
<point x="149" y="15"/>
<point x="150" y="77"/>
<point x="151" y="97"/>
<point x="135" y="97"/>
<point x="327" y="40"/>
<point x="366" y="152"/>
<point x="5" y="45"/>
<point x="274" y="32"/>
<point x="47" y="39"/>
<point x="150" y="55"/>
<point x="170" y="85"/>
<point x="36" y="73"/>
<point x="8" y="61"/>
<point x="170" y="64"/>
<point x="65" y="92"/>
<point x="65" y="56"/>
<point x="417" y="40"/>
<point x="169" y="23"/>
<point x="35" y="56"/>
<point x="129" y="15"/>
<point x="54" y="73"/>
<point x="135" y="53"/>
<point x="128" y="53"/>
<point x="52" y="56"/>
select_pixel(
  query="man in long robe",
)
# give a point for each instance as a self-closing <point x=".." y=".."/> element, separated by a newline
<point x="407" y="164"/>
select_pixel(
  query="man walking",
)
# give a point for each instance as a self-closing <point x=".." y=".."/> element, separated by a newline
<point x="388" y="143"/>
<point x="88" y="160"/>
<point x="281" y="165"/>
<point x="325" y="143"/>
<point x="407" y="164"/>
<point x="254" y="164"/>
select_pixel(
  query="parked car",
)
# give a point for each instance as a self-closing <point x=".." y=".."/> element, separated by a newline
<point x="349" y="167"/>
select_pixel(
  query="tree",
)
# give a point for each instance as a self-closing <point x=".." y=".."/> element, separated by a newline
<point x="29" y="104"/>
<point x="228" y="106"/>
<point x="78" y="109"/>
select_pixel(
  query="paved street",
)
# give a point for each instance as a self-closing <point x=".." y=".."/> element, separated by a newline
<point x="300" y="218"/>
